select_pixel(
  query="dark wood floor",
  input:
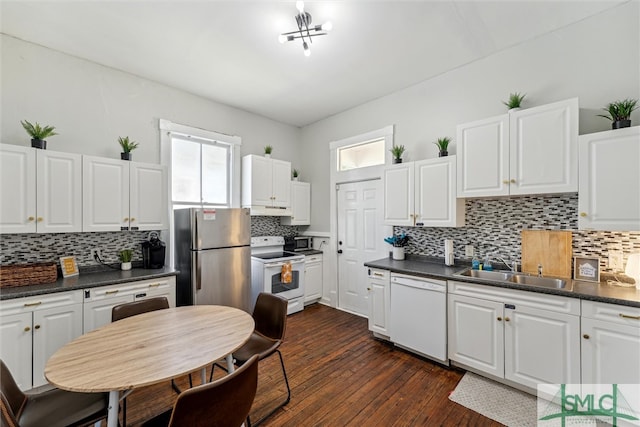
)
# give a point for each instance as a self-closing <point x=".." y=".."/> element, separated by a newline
<point x="340" y="376"/>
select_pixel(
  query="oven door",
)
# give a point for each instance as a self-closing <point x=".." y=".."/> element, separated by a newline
<point x="273" y="279"/>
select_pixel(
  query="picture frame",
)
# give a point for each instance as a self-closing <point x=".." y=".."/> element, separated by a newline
<point x="69" y="266"/>
<point x="586" y="268"/>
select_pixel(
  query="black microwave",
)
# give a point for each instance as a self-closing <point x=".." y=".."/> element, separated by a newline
<point x="298" y="243"/>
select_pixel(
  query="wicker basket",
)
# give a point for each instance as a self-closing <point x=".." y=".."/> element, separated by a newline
<point x="28" y="274"/>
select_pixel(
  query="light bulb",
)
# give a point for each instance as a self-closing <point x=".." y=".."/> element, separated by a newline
<point x="307" y="51"/>
<point x="282" y="38"/>
<point x="327" y="26"/>
<point x="300" y="6"/>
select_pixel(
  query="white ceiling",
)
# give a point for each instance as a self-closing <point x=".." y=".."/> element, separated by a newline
<point x="228" y="51"/>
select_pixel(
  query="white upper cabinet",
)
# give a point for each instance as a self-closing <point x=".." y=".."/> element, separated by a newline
<point x="423" y="193"/>
<point x="266" y="185"/>
<point x="483" y="157"/>
<point x="300" y="205"/>
<point x="122" y="195"/>
<point x="530" y="151"/>
<point x="41" y="190"/>
<point x="148" y="197"/>
<point x="609" y="195"/>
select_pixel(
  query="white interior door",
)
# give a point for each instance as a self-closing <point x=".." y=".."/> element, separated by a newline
<point x="360" y="239"/>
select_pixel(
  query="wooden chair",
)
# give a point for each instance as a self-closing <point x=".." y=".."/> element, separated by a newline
<point x="51" y="408"/>
<point x="270" y="317"/>
<point x="129" y="309"/>
<point x="225" y="402"/>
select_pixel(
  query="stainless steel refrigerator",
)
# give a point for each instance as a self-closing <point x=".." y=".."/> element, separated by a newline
<point x="213" y="254"/>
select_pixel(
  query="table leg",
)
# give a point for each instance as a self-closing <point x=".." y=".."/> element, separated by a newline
<point x="112" y="416"/>
<point x="230" y="367"/>
<point x="203" y="375"/>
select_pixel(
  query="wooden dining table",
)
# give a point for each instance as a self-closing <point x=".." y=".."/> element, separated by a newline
<point x="148" y="349"/>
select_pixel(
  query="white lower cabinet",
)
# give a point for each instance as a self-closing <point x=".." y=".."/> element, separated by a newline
<point x="379" y="301"/>
<point x="610" y="343"/>
<point x="36" y="327"/>
<point x="312" y="278"/>
<point x="99" y="301"/>
<point x="524" y="337"/>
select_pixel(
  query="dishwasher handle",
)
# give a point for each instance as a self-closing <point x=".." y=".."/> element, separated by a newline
<point x="418" y="284"/>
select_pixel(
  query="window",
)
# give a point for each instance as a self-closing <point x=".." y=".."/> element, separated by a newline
<point x="362" y="155"/>
<point x="204" y="165"/>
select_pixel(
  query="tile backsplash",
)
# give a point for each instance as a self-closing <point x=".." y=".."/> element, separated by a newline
<point x="28" y="248"/>
<point x="270" y="226"/>
<point x="493" y="227"/>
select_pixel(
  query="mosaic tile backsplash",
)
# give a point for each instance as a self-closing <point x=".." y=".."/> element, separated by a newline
<point x="270" y="226"/>
<point x="493" y="227"/>
<point x="28" y="248"/>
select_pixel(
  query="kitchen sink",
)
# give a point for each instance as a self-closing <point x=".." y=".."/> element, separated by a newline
<point x="491" y="275"/>
<point x="547" y="282"/>
<point x="513" y="277"/>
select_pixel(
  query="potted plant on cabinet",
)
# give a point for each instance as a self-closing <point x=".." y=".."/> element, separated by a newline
<point x="267" y="150"/>
<point x="620" y="113"/>
<point x="443" y="146"/>
<point x="38" y="133"/>
<point x="397" y="151"/>
<point x="515" y="99"/>
<point x="294" y="173"/>
<point x="127" y="147"/>
<point x="125" y="257"/>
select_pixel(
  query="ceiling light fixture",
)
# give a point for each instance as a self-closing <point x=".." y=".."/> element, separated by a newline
<point x="305" y="31"/>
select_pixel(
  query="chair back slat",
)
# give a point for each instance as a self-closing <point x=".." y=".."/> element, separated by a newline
<point x="138" y="307"/>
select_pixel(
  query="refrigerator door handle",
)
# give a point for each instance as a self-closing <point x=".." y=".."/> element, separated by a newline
<point x="197" y="272"/>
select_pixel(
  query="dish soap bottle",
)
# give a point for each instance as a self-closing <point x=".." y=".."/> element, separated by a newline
<point x="475" y="263"/>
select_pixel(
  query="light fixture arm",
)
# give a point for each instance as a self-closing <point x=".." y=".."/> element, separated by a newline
<point x="305" y="31"/>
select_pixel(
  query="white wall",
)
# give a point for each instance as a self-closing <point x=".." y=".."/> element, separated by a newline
<point x="91" y="106"/>
<point x="597" y="60"/>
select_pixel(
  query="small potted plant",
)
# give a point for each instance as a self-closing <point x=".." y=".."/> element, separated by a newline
<point x="397" y="151"/>
<point x="295" y="174"/>
<point x="125" y="257"/>
<point x="620" y="113"/>
<point x="38" y="133"/>
<point x="515" y="99"/>
<point x="267" y="150"/>
<point x="127" y="147"/>
<point x="443" y="146"/>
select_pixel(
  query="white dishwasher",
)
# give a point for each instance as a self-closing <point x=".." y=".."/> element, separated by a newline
<point x="419" y="315"/>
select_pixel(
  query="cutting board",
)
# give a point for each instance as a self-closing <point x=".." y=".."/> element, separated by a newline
<point x="551" y="249"/>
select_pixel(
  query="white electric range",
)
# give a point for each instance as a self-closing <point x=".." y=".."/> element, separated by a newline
<point x="267" y="259"/>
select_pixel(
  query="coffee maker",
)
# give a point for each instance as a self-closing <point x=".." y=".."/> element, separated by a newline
<point x="153" y="252"/>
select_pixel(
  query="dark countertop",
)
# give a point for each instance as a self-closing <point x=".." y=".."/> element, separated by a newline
<point x="309" y="252"/>
<point x="435" y="268"/>
<point x="87" y="280"/>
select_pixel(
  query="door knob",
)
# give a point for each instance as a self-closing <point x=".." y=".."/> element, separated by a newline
<point x="339" y="251"/>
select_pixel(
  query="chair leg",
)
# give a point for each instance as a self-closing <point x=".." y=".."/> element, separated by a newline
<point x="124" y="412"/>
<point x="286" y="380"/>
<point x="175" y="387"/>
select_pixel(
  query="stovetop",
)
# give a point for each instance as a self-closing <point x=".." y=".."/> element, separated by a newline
<point x="274" y="255"/>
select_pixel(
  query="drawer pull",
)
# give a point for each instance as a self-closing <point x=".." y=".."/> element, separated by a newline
<point x="32" y="304"/>
<point x="378" y="274"/>
<point x="626" y="316"/>
<point x="585" y="336"/>
<point x="27" y="328"/>
<point x="112" y="292"/>
<point x="154" y="285"/>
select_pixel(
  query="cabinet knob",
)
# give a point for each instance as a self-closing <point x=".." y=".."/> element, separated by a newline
<point x="505" y="181"/>
<point x="31" y="218"/>
<point x="125" y="220"/>
<point x="583" y="214"/>
<point x="513" y="181"/>
<point x="37" y="327"/>
<point x="506" y="319"/>
<point x="499" y="319"/>
<point x="585" y="336"/>
<point x="368" y="289"/>
<point x="132" y="219"/>
<point x="39" y="219"/>
<point x="27" y="328"/>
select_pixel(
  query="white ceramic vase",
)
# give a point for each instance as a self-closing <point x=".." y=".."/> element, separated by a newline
<point x="125" y="266"/>
<point x="397" y="253"/>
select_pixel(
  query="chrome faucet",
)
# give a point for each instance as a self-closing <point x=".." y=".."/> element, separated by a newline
<point x="513" y="267"/>
<point x="539" y="270"/>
